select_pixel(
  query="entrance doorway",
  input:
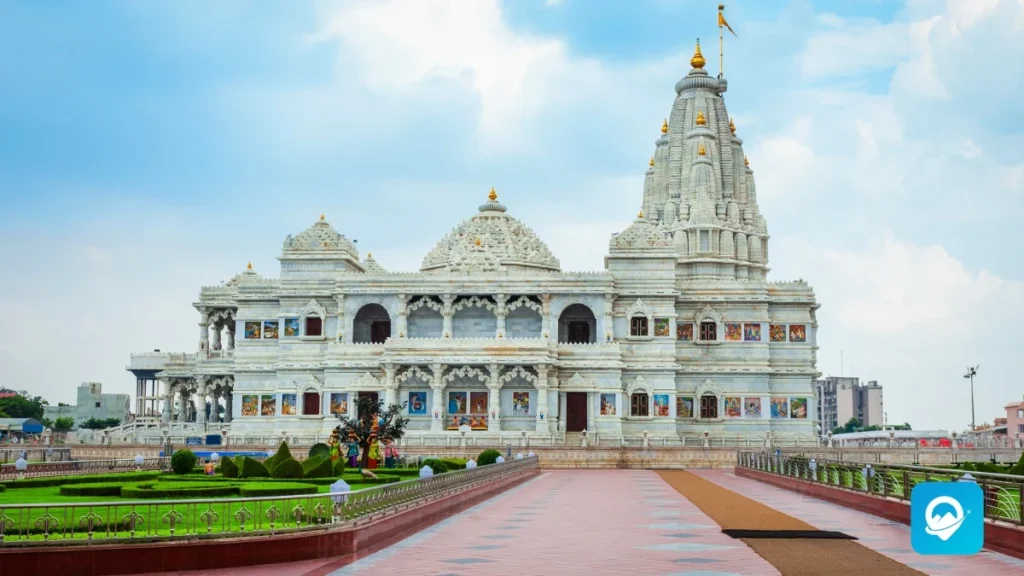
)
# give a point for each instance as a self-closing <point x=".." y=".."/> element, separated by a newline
<point x="579" y="332"/>
<point x="575" y="411"/>
<point x="380" y="332"/>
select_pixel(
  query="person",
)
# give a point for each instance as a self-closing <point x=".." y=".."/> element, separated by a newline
<point x="353" y="451"/>
<point x="209" y="468"/>
<point x="390" y="454"/>
<point x="374" y="456"/>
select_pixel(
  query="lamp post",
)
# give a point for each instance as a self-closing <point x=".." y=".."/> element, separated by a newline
<point x="971" y="373"/>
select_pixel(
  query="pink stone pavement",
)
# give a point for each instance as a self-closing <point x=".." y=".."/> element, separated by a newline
<point x="883" y="536"/>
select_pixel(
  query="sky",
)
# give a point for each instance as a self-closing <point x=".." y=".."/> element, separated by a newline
<point x="149" y="149"/>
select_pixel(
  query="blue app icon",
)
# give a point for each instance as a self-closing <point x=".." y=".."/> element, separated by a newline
<point x="947" y="518"/>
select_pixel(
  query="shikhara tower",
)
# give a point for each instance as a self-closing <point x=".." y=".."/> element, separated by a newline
<point x="680" y="337"/>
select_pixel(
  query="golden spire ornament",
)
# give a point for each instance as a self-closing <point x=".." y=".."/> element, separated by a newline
<point x="732" y="126"/>
<point x="700" y="118"/>
<point x="746" y="161"/>
<point x="249" y="266"/>
<point x="322" y="217"/>
<point x="369" y="255"/>
<point x="651" y="163"/>
<point x="664" y="126"/>
<point x="640" y="215"/>
<point x="493" y="196"/>
<point x="698" y="59"/>
<point x="700" y="150"/>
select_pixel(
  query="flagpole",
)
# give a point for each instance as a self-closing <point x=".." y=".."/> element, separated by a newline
<point x="721" y="43"/>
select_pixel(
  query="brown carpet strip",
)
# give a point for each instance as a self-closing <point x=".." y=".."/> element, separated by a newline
<point x="790" y="556"/>
<point x="780" y="534"/>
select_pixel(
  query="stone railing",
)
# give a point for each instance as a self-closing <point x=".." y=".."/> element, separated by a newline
<point x="9" y="472"/>
<point x="1004" y="493"/>
<point x="143" y="522"/>
<point x="33" y="453"/>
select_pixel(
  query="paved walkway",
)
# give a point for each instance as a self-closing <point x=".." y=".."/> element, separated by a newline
<point x="883" y="536"/>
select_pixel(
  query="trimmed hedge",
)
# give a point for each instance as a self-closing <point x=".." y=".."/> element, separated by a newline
<point x="283" y="452"/>
<point x="319" y="449"/>
<point x="82" y="479"/>
<point x="323" y="468"/>
<point x="179" y="490"/>
<point x="488" y="456"/>
<point x="438" y="466"/>
<point x="252" y="469"/>
<point x="288" y="468"/>
<point x="309" y="463"/>
<point x="1017" y="468"/>
<point x="228" y="468"/>
<point x="339" y="467"/>
<point x="183" y="461"/>
<point x="360" y="479"/>
<point x="454" y="463"/>
<point x="97" y="489"/>
<point x="2" y="487"/>
<point x="258" y="489"/>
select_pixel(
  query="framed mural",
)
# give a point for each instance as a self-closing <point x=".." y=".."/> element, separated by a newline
<point x="797" y="333"/>
<point x="339" y="403"/>
<point x="780" y="408"/>
<point x="288" y="404"/>
<point x="777" y="332"/>
<point x="661" y="327"/>
<point x="684" y="332"/>
<point x="252" y="330"/>
<point x="798" y="407"/>
<point x="250" y="405"/>
<point x="752" y="407"/>
<point x="684" y="407"/>
<point x="291" y="327"/>
<point x="270" y="329"/>
<point x="520" y="403"/>
<point x="607" y="404"/>
<point x="476" y="422"/>
<point x="661" y="404"/>
<point x="733" y="407"/>
<point x="268" y="405"/>
<point x="733" y="332"/>
<point x="478" y="403"/>
<point x="751" y="332"/>
<point x="418" y="403"/>
<point x="457" y="402"/>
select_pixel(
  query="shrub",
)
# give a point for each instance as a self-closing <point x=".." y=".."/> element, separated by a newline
<point x="319" y="449"/>
<point x="988" y="468"/>
<point x="438" y="466"/>
<point x="183" y="461"/>
<point x="309" y="463"/>
<point x="257" y="489"/>
<point x="283" y="452"/>
<point x="82" y="479"/>
<point x="324" y="468"/>
<point x="487" y="457"/>
<point x="339" y="467"/>
<point x="1018" y="468"/>
<point x="95" y="489"/>
<point x="360" y="479"/>
<point x="179" y="490"/>
<point x="252" y="469"/>
<point x="270" y="462"/>
<point x="228" y="468"/>
<point x="969" y="467"/>
<point x="288" y="468"/>
<point x="454" y="463"/>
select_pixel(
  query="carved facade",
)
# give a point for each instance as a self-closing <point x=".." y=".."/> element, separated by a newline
<point x="680" y="334"/>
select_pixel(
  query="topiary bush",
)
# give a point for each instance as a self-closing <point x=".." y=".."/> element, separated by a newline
<point x="339" y="467"/>
<point x="252" y="469"/>
<point x="487" y="457"/>
<point x="257" y="489"/>
<point x="309" y="463"/>
<point x="183" y="462"/>
<point x="179" y="490"/>
<point x="228" y="468"/>
<point x="283" y="452"/>
<point x="319" y="449"/>
<point x="94" y="489"/>
<point x="454" y="463"/>
<point x="84" y="479"/>
<point x="1018" y="468"/>
<point x="438" y="466"/>
<point x="288" y="468"/>
<point x="324" y="468"/>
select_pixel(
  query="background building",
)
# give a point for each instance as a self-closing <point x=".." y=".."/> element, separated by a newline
<point x="1015" y="420"/>
<point x="92" y="403"/>
<point x="840" y="398"/>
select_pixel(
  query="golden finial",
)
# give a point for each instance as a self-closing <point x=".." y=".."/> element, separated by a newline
<point x="369" y="255"/>
<point x="249" y="266"/>
<point x="493" y="195"/>
<point x="732" y="126"/>
<point x="700" y="118"/>
<point x="698" y="59"/>
<point x="640" y="215"/>
<point x="477" y="241"/>
<point x="746" y="161"/>
<point x="322" y="217"/>
<point x="651" y="163"/>
<point x="701" y="150"/>
<point x="664" y="126"/>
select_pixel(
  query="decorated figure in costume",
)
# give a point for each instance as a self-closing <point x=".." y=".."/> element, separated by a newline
<point x="335" y="444"/>
<point x="374" y="449"/>
<point x="390" y="454"/>
<point x="353" y="450"/>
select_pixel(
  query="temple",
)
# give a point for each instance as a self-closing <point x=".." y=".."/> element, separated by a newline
<point x="680" y="337"/>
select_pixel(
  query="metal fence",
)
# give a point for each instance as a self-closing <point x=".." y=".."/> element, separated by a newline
<point x="1004" y="493"/>
<point x="9" y="472"/>
<point x="35" y="454"/>
<point x="162" y="520"/>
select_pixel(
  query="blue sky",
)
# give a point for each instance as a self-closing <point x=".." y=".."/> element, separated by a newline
<point x="148" y="149"/>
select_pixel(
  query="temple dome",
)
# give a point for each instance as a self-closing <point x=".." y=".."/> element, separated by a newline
<point x="640" y="234"/>
<point x="321" y="240"/>
<point x="491" y="241"/>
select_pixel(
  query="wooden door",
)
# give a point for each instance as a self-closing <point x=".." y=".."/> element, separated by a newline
<point x="575" y="411"/>
<point x="579" y="332"/>
<point x="310" y="404"/>
<point x="380" y="332"/>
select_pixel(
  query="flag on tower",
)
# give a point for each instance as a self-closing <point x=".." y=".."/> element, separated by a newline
<point x="722" y="21"/>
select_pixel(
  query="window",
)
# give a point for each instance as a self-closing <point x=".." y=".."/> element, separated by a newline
<point x="1020" y="413"/>
<point x="310" y="404"/>
<point x="705" y="241"/>
<point x="639" y="404"/>
<point x="579" y="332"/>
<point x="314" y="326"/>
<point x="708" y="331"/>
<point x="97" y="404"/>
<point x="708" y="407"/>
<point x="1020" y="428"/>
<point x="638" y="326"/>
<point x="380" y="332"/>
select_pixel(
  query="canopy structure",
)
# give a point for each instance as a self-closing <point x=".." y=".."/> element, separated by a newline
<point x="23" y="425"/>
<point x="897" y="435"/>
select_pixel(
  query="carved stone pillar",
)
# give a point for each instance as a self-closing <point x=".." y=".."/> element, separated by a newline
<point x="182" y="403"/>
<point x="403" y="316"/>
<point x="214" y="332"/>
<point x="545" y="301"/>
<point x="494" y="398"/>
<point x="204" y="330"/>
<point x="340" y="335"/>
<point x="165" y="416"/>
<point x="390" y="386"/>
<point x="201" y="399"/>
<point x="609" y="323"/>
<point x="542" y="399"/>
<point x="229" y="404"/>
<point x="230" y="344"/>
<point x="437" y="385"/>
<point x="557" y="408"/>
<point x="446" y="314"/>
<point x="591" y="426"/>
<point x="500" y="313"/>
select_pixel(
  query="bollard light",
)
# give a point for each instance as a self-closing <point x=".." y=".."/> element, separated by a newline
<point x="138" y="461"/>
<point x="499" y="460"/>
<point x="470" y="464"/>
<point x="426" y="472"/>
<point x="21" y="465"/>
<point x="519" y="456"/>
<point x="215" y="457"/>
<point x="531" y="454"/>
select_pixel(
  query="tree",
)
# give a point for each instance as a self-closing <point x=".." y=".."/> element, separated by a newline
<point x="100" y="423"/>
<point x="22" y="407"/>
<point x="63" y="424"/>
<point x="390" y="424"/>
<point x="852" y="425"/>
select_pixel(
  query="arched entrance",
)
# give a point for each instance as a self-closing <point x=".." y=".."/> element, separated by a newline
<point x="372" y="325"/>
<point x="577" y="325"/>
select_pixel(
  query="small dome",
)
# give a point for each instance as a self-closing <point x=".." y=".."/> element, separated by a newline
<point x="370" y="266"/>
<point x="320" y="238"/>
<point x="639" y="234"/>
<point x="491" y="241"/>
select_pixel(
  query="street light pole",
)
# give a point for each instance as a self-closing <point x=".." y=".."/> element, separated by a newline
<point x="971" y="373"/>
